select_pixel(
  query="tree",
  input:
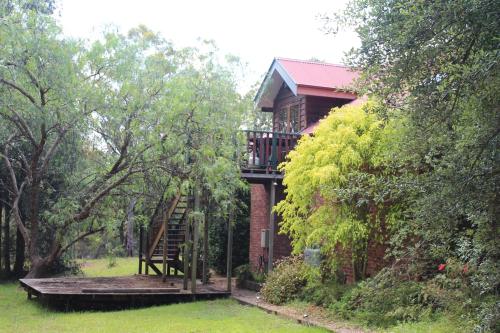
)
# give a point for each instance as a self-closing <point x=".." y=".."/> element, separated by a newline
<point x="435" y="64"/>
<point x="59" y="96"/>
<point x="336" y="185"/>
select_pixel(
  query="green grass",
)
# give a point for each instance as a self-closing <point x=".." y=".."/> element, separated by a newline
<point x="100" y="267"/>
<point x="123" y="267"/>
<point x="17" y="314"/>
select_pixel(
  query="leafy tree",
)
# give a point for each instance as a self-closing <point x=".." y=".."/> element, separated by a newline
<point x="56" y="93"/>
<point x="87" y="125"/>
<point x="435" y="63"/>
<point x="255" y="119"/>
<point x="335" y="185"/>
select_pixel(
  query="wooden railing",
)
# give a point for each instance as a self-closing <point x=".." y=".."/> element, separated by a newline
<point x="266" y="150"/>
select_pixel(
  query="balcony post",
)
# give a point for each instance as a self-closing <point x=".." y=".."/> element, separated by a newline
<point x="272" y="193"/>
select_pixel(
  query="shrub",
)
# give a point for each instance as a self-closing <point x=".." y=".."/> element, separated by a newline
<point x="245" y="273"/>
<point x="323" y="294"/>
<point x="286" y="281"/>
<point x="383" y="301"/>
<point x="488" y="316"/>
<point x="242" y="273"/>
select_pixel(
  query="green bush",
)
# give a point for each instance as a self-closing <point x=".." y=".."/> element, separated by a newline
<point x="286" y="281"/>
<point x="245" y="273"/>
<point x="323" y="294"/>
<point x="383" y="301"/>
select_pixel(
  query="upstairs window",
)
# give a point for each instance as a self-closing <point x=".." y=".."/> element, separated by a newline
<point x="294" y="123"/>
<point x="282" y="120"/>
<point x="289" y="119"/>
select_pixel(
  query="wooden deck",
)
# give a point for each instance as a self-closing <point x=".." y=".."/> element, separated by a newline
<point x="116" y="292"/>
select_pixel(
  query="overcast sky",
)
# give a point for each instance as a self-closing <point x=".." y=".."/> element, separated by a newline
<point x="256" y="31"/>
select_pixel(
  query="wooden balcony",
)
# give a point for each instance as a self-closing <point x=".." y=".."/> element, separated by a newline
<point x="265" y="151"/>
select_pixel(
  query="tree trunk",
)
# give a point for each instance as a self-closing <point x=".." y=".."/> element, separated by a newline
<point x="130" y="228"/>
<point x="39" y="268"/>
<point x="121" y="233"/>
<point x="20" y="256"/>
<point x="6" y="244"/>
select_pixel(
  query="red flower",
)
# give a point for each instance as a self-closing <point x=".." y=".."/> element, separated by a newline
<point x="441" y="267"/>
<point x="466" y="269"/>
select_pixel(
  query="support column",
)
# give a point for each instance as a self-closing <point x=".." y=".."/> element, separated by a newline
<point x="229" y="268"/>
<point x="146" y="262"/>
<point x="272" y="194"/>
<point x="186" y="251"/>
<point x="194" y="259"/>
<point x="165" y="235"/>
<point x="141" y="235"/>
<point x="205" y="251"/>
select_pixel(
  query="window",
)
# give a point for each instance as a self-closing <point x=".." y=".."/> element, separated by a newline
<point x="289" y="119"/>
<point x="294" y="118"/>
<point x="282" y="119"/>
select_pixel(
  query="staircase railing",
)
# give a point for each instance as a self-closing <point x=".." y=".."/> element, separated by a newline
<point x="161" y="230"/>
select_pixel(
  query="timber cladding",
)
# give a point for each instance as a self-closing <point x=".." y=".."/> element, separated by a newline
<point x="284" y="100"/>
<point x="317" y="108"/>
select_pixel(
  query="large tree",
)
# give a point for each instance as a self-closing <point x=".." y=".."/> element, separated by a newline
<point x="337" y="195"/>
<point x="435" y="65"/>
<point x="87" y="127"/>
<point x="66" y="105"/>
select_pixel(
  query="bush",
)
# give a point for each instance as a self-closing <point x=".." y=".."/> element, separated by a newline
<point x="488" y="316"/>
<point x="384" y="300"/>
<point x="323" y="294"/>
<point x="286" y="281"/>
<point x="245" y="273"/>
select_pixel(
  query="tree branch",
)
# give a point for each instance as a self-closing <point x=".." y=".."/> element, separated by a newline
<point x="19" y="89"/>
<point x="79" y="238"/>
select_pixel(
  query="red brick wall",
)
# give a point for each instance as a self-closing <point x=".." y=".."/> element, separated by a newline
<point x="259" y="219"/>
<point x="259" y="203"/>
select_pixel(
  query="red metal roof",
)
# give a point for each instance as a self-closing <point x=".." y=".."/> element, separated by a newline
<point x="317" y="74"/>
<point x="308" y="78"/>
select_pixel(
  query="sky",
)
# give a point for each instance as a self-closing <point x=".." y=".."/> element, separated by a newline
<point x="256" y="31"/>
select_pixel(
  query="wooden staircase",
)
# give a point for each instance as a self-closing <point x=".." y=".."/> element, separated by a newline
<point x="175" y="217"/>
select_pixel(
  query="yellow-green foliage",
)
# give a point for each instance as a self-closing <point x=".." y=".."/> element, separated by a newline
<point x="330" y="178"/>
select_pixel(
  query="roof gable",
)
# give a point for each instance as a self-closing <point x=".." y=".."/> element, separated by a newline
<point x="305" y="78"/>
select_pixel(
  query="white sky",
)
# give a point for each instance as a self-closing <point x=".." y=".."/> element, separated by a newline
<point x="256" y="31"/>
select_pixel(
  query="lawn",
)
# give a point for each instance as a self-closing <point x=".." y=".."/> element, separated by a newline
<point x="101" y="267"/>
<point x="17" y="314"/>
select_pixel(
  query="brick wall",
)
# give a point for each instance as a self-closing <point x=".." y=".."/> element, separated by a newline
<point x="259" y="203"/>
<point x="259" y="219"/>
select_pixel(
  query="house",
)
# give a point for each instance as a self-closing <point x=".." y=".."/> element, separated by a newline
<point x="299" y="94"/>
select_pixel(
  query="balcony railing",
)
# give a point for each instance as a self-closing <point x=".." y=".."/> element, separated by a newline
<point x="266" y="150"/>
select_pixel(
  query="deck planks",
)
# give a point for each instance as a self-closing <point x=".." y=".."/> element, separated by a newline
<point x="116" y="292"/>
